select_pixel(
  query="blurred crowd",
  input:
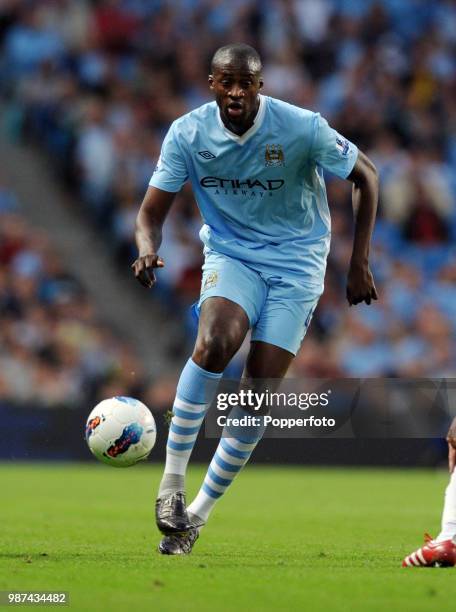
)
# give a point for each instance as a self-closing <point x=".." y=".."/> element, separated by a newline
<point x="54" y="349"/>
<point x="98" y="83"/>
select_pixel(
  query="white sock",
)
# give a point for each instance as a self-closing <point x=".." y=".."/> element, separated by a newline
<point x="182" y="435"/>
<point x="230" y="457"/>
<point x="449" y="511"/>
<point x="195" y="391"/>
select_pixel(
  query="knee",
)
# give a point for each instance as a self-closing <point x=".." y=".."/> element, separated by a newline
<point x="213" y="351"/>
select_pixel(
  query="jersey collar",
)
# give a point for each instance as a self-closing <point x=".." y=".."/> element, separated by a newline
<point x="257" y="122"/>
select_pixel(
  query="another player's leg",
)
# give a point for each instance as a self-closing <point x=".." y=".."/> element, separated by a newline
<point x="265" y="361"/>
<point x="440" y="552"/>
<point x="222" y="329"/>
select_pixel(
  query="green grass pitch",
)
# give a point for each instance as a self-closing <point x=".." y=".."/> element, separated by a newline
<point x="282" y="538"/>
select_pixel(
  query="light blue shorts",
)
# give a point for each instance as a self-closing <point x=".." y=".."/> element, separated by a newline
<point x="279" y="309"/>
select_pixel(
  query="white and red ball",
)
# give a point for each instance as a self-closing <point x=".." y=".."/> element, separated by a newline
<point x="120" y="431"/>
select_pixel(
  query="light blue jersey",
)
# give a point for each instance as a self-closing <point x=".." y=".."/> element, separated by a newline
<point x="261" y="195"/>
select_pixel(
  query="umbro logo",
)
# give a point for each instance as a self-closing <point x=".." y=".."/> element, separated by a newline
<point x="206" y="154"/>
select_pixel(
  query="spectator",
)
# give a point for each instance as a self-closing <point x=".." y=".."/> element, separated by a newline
<point x="53" y="350"/>
<point x="98" y="85"/>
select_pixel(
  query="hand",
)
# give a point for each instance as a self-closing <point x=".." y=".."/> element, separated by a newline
<point x="143" y="268"/>
<point x="360" y="285"/>
<point x="451" y="439"/>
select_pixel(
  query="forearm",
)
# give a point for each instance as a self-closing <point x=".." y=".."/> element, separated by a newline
<point x="150" y="219"/>
<point x="148" y="233"/>
<point x="364" y="199"/>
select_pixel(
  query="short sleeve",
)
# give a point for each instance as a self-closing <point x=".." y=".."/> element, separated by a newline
<point x="171" y="170"/>
<point x="332" y="151"/>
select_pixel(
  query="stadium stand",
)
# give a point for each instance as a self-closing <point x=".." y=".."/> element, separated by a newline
<point x="55" y="351"/>
<point x="96" y="84"/>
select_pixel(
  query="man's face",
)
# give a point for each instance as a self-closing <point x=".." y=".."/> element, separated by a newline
<point x="236" y="89"/>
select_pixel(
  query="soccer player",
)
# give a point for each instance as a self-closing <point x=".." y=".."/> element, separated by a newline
<point x="441" y="552"/>
<point x="256" y="167"/>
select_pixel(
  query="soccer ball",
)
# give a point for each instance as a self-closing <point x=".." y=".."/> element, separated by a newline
<point x="120" y="431"/>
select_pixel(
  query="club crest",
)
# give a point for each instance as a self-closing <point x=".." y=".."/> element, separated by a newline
<point x="210" y="280"/>
<point x="273" y="155"/>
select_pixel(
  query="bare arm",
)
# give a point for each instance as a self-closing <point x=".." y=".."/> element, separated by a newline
<point x="149" y="223"/>
<point x="360" y="283"/>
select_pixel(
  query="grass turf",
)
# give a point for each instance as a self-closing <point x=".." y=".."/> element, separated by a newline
<point x="281" y="538"/>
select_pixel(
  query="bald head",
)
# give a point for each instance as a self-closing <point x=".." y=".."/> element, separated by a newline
<point x="237" y="54"/>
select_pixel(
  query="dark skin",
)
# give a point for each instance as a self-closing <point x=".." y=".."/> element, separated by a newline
<point x="236" y="86"/>
<point x="223" y="324"/>
<point x="451" y="439"/>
